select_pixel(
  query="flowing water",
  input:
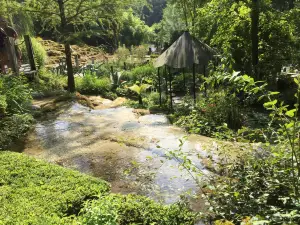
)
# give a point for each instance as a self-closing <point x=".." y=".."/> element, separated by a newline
<point x="115" y="144"/>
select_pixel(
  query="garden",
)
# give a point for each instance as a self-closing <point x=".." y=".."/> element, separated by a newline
<point x="151" y="112"/>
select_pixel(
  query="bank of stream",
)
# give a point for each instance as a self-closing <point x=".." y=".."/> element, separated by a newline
<point x="121" y="147"/>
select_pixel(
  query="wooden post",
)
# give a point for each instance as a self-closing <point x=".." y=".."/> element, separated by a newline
<point x="159" y="86"/>
<point x="166" y="78"/>
<point x="77" y="61"/>
<point x="171" y="97"/>
<point x="184" y="82"/>
<point x="30" y="52"/>
<point x="194" y="82"/>
<point x="12" y="57"/>
<point x="205" y="85"/>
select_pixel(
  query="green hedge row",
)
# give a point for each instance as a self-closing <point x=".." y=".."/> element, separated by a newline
<point x="36" y="192"/>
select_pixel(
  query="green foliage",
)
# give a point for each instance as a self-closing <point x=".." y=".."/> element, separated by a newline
<point x="91" y="84"/>
<point x="47" y="84"/>
<point x="153" y="99"/>
<point x="146" y="73"/>
<point x="122" y="53"/>
<point x="40" y="53"/>
<point x="16" y="94"/>
<point x="262" y="184"/>
<point x="15" y="100"/>
<point x="134" y="31"/>
<point x="140" y="90"/>
<point x="131" y="209"/>
<point x="35" y="192"/>
<point x="13" y="128"/>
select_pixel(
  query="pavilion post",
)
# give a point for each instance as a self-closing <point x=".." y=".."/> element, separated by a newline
<point x="166" y="78"/>
<point x="184" y="81"/>
<point x="205" y="85"/>
<point x="194" y="82"/>
<point x="170" y="83"/>
<point x="159" y="86"/>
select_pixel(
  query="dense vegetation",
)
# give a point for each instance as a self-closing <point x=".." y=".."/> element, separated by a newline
<point x="35" y="192"/>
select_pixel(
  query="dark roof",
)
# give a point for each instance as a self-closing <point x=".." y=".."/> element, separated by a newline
<point x="185" y="52"/>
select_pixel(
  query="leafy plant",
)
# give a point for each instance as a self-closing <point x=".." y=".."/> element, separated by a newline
<point x="139" y="90"/>
<point x="91" y="84"/>
<point x="132" y="209"/>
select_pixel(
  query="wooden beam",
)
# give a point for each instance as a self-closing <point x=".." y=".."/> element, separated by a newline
<point x="30" y="52"/>
<point x="12" y="57"/>
<point x="194" y="82"/>
<point x="159" y="86"/>
<point x="171" y="97"/>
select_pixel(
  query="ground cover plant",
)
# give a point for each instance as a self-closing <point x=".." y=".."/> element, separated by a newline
<point x="36" y="192"/>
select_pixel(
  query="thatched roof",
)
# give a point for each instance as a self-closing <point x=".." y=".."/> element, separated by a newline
<point x="185" y="52"/>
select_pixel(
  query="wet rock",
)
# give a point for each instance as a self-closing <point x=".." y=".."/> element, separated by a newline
<point x="35" y="107"/>
<point x="49" y="107"/>
<point x="84" y="100"/>
<point x="141" y="112"/>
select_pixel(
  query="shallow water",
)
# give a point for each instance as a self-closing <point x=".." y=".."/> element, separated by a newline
<point x="116" y="145"/>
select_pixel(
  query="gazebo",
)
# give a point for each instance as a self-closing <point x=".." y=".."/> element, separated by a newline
<point x="186" y="52"/>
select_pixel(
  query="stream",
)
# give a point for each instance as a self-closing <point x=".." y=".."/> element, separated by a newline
<point x="117" y="145"/>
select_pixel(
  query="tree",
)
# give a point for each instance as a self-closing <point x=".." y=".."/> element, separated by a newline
<point x="68" y="18"/>
<point x="254" y="36"/>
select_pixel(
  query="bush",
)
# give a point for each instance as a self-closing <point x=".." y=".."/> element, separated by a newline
<point x="48" y="84"/>
<point x="132" y="209"/>
<point x="90" y="84"/>
<point x="13" y="128"/>
<point x="35" y="192"/>
<point x="16" y="95"/>
<point x="145" y="73"/>
<point x="15" y="101"/>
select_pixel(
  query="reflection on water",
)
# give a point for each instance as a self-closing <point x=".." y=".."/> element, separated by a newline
<point x="115" y="144"/>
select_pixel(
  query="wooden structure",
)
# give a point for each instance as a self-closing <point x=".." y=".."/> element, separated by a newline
<point x="186" y="52"/>
<point x="27" y="69"/>
<point x="12" y="55"/>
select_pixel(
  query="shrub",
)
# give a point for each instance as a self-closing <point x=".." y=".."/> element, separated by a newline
<point x="153" y="99"/>
<point x="90" y="84"/>
<point x="47" y="83"/>
<point x="132" y="209"/>
<point x="14" y="127"/>
<point x="35" y="192"/>
<point x="145" y="73"/>
<point x="122" y="53"/>
<point x="15" y="100"/>
<point x="17" y="94"/>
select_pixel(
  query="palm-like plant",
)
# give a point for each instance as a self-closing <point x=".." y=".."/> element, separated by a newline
<point x="140" y="89"/>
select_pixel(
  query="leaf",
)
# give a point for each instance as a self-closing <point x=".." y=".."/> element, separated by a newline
<point x="270" y="104"/>
<point x="274" y="93"/>
<point x="291" y="113"/>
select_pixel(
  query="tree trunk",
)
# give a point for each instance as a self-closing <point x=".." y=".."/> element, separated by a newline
<point x="254" y="36"/>
<point x="68" y="53"/>
<point x="140" y="100"/>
